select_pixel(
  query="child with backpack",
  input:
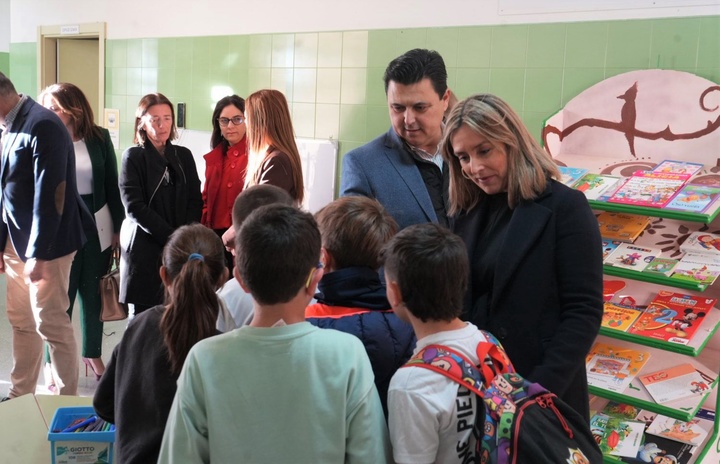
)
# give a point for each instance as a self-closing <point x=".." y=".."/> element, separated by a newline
<point x="457" y="400"/>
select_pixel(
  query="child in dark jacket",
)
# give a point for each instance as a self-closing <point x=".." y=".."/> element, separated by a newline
<point x="351" y="298"/>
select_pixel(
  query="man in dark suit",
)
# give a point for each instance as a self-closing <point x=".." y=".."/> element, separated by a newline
<point x="43" y="223"/>
<point x="403" y="169"/>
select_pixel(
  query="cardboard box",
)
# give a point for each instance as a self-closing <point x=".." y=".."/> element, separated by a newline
<point x="78" y="447"/>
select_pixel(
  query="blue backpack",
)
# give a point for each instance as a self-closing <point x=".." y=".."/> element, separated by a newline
<point x="517" y="421"/>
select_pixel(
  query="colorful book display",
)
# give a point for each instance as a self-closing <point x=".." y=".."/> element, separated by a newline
<point x="676" y="383"/>
<point x="595" y="185"/>
<point x="662" y="266"/>
<point x="674" y="317"/>
<point x="619" y="317"/>
<point x="655" y="449"/>
<point x="702" y="242"/>
<point x="692" y="433"/>
<point x="694" y="198"/>
<point x="678" y="167"/>
<point x="608" y="246"/>
<point x="699" y="268"/>
<point x="651" y="189"/>
<point x="569" y="176"/>
<point x="613" y="368"/>
<point x="622" y="437"/>
<point x="631" y="256"/>
<point x="621" y="227"/>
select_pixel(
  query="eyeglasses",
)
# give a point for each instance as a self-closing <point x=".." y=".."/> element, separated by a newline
<point x="312" y="272"/>
<point x="237" y="120"/>
<point x="159" y="121"/>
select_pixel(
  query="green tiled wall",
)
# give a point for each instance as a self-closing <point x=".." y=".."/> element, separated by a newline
<point x="5" y="63"/>
<point x="333" y="80"/>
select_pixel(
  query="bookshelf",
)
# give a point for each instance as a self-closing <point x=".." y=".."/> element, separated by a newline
<point x="703" y="350"/>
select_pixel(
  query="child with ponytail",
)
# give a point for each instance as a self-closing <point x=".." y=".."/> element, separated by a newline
<point x="139" y="383"/>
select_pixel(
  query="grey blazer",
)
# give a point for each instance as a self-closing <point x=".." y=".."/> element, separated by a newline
<point x="383" y="169"/>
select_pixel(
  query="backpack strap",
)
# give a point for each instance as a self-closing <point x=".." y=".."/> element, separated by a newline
<point x="448" y="362"/>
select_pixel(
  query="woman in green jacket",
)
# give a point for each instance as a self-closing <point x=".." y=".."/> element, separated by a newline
<point x="97" y="182"/>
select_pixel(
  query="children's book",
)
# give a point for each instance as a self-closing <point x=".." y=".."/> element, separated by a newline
<point x="702" y="242"/>
<point x="608" y="246"/>
<point x="594" y="185"/>
<point x="612" y="367"/>
<point x="656" y="448"/>
<point x="692" y="433"/>
<point x="597" y="426"/>
<point x="675" y="383"/>
<point x="630" y="256"/>
<point x="621" y="227"/>
<point x="569" y="176"/>
<point x="619" y="317"/>
<point x="694" y="198"/>
<point x="674" y="317"/>
<point x="678" y="167"/>
<point x="662" y="266"/>
<point x="651" y="189"/>
<point x="625" y="411"/>
<point x="622" y="437"/>
<point x="698" y="268"/>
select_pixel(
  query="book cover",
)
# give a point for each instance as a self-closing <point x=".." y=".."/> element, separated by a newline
<point x="610" y="191"/>
<point x="662" y="450"/>
<point x="678" y="167"/>
<point x="608" y="246"/>
<point x="694" y="198"/>
<point x="622" y="437"/>
<point x="619" y="317"/>
<point x="630" y="256"/>
<point x="702" y="242"/>
<point x="569" y="176"/>
<point x="621" y="227"/>
<point x="613" y="368"/>
<point x="597" y="426"/>
<point x="594" y="185"/>
<point x="662" y="266"/>
<point x="697" y="268"/>
<point x="673" y="317"/>
<point x="651" y="189"/>
<point x="675" y="383"/>
<point x="692" y="433"/>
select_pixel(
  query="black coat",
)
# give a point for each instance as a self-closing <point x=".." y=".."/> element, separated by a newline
<point x="153" y="212"/>
<point x="546" y="303"/>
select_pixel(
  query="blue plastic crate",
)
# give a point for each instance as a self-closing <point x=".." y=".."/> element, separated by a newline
<point x="78" y="447"/>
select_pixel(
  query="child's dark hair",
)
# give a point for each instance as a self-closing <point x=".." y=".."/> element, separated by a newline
<point x="194" y="261"/>
<point x="256" y="196"/>
<point x="276" y="249"/>
<point x="430" y="265"/>
<point x="354" y="229"/>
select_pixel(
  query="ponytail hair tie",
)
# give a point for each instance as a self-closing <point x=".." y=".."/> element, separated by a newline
<point x="196" y="256"/>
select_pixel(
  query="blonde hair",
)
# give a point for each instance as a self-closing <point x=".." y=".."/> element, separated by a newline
<point x="269" y="128"/>
<point x="529" y="167"/>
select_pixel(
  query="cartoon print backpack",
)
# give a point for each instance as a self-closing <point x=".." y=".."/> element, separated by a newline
<point x="517" y="421"/>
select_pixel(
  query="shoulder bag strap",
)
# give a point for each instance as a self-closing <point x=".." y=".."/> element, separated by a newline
<point x="448" y="362"/>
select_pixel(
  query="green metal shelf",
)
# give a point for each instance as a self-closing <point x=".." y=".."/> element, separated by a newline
<point x="687" y="350"/>
<point x="653" y="278"/>
<point x="655" y="212"/>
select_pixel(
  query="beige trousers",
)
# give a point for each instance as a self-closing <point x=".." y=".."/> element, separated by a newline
<point x="38" y="312"/>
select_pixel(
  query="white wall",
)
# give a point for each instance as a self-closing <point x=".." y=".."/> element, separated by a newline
<point x="174" y="18"/>
<point x="4" y="25"/>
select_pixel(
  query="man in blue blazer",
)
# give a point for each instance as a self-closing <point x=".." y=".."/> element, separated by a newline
<point x="403" y="169"/>
<point x="43" y="225"/>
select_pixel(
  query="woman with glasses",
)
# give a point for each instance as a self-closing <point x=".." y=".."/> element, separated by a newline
<point x="97" y="182"/>
<point x="160" y="190"/>
<point x="225" y="166"/>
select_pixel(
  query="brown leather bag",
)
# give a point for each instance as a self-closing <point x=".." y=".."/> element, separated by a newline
<point x="111" y="308"/>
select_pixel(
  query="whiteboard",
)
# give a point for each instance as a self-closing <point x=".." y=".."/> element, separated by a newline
<point x="318" y="158"/>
